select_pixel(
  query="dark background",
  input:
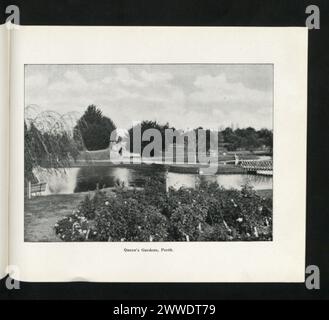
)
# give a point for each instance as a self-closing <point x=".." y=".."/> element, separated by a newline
<point x="209" y="13"/>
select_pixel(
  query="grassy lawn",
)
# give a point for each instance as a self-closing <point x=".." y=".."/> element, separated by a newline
<point x="42" y="212"/>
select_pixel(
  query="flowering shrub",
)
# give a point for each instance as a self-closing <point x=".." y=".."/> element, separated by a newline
<point x="73" y="228"/>
<point x="208" y="213"/>
<point x="188" y="220"/>
<point x="89" y="205"/>
<point x="129" y="220"/>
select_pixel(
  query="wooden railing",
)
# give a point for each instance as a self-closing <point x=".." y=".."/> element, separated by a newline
<point x="254" y="165"/>
<point x="34" y="189"/>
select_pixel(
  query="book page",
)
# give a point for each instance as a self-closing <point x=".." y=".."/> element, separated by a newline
<point x="155" y="154"/>
<point x="4" y="143"/>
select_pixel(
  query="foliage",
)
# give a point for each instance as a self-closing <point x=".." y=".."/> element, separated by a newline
<point x="94" y="128"/>
<point x="90" y="204"/>
<point x="210" y="141"/>
<point x="143" y="126"/>
<point x="208" y="213"/>
<point x="47" y="143"/>
<point x="74" y="227"/>
<point x="128" y="220"/>
<point x="247" y="138"/>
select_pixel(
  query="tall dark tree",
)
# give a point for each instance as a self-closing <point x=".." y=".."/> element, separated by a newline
<point x="94" y="129"/>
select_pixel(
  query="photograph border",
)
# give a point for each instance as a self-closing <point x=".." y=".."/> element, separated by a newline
<point x="132" y="64"/>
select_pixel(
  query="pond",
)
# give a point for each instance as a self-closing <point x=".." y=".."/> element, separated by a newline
<point x="74" y="180"/>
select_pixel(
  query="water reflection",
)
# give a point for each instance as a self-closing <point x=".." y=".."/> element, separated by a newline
<point x="226" y="180"/>
<point x="60" y="181"/>
<point x="87" y="179"/>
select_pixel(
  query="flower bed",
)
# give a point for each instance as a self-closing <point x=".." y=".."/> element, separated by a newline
<point x="207" y="213"/>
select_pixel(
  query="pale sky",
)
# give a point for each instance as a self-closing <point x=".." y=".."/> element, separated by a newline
<point x="185" y="95"/>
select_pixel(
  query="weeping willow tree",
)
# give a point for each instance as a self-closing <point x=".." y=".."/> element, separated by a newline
<point x="48" y="141"/>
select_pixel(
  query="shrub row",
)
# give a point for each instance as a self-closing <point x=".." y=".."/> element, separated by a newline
<point x="207" y="213"/>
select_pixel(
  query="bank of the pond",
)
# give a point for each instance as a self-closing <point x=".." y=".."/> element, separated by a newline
<point x="105" y="155"/>
<point x="177" y="168"/>
<point x="42" y="213"/>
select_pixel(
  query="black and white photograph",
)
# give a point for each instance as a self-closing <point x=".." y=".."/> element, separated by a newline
<point x="148" y="152"/>
<point x="172" y="153"/>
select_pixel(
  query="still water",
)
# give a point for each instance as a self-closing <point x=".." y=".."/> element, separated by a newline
<point x="74" y="180"/>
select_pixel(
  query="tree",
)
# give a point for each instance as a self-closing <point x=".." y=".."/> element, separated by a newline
<point x="50" y="147"/>
<point x="94" y="129"/>
<point x="143" y="126"/>
<point x="266" y="137"/>
<point x="247" y="138"/>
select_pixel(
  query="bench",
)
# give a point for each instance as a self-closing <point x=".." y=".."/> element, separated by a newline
<point x="36" y="189"/>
